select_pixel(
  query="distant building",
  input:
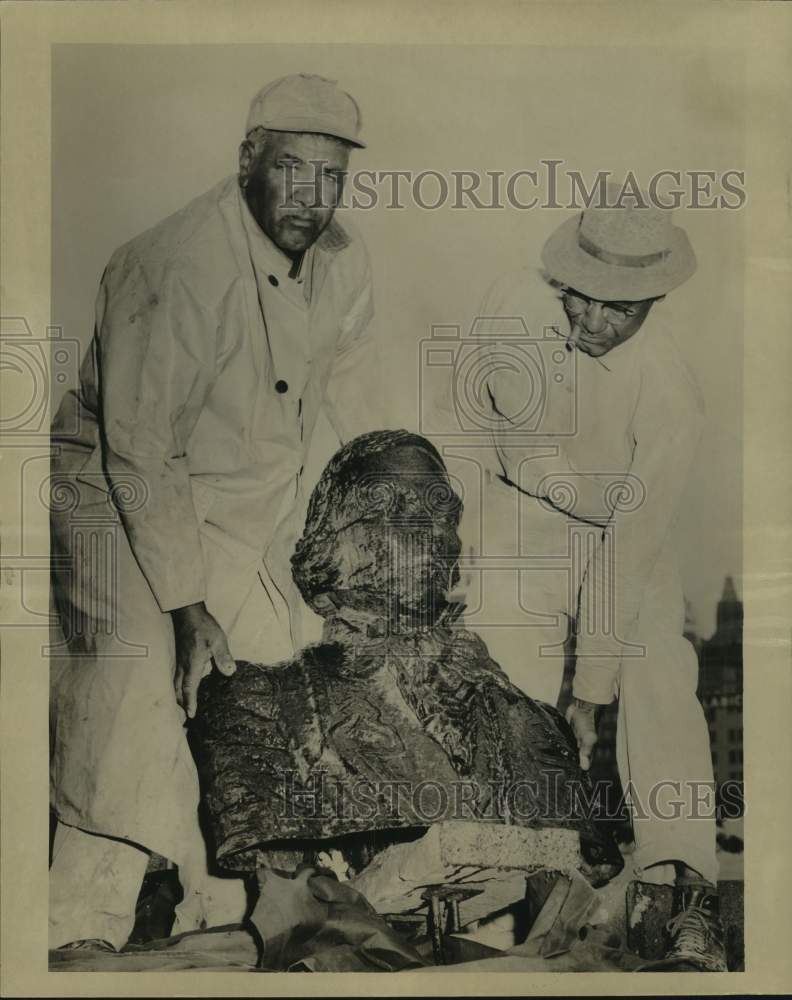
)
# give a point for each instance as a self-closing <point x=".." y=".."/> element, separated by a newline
<point x="720" y="670"/>
<point x="720" y="687"/>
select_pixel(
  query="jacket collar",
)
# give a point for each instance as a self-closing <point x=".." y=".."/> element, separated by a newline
<point x="334" y="238"/>
<point x="268" y="259"/>
<point x="317" y="259"/>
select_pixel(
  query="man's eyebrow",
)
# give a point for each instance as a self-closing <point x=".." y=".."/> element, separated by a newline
<point x="293" y="159"/>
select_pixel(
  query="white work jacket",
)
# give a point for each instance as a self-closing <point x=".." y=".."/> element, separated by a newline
<point x="632" y="417"/>
<point x="202" y="387"/>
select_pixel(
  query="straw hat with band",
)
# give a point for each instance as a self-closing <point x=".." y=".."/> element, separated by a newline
<point x="628" y="253"/>
<point x="303" y="102"/>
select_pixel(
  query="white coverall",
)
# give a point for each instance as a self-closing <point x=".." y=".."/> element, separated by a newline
<point x="632" y="417"/>
<point x="194" y="414"/>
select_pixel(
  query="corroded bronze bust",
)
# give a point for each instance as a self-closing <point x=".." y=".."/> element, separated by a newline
<point x="398" y="719"/>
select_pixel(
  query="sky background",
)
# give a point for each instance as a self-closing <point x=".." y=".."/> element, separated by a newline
<point x="138" y="131"/>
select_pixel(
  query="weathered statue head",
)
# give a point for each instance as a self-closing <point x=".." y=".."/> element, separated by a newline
<point x="380" y="547"/>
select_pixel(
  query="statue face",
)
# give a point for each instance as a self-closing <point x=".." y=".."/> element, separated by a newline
<point x="381" y="533"/>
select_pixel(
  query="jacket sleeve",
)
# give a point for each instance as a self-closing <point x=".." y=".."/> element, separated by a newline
<point x="354" y="395"/>
<point x="528" y="453"/>
<point x="155" y="359"/>
<point x="666" y="428"/>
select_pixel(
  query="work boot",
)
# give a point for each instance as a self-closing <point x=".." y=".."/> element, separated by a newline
<point x="695" y="933"/>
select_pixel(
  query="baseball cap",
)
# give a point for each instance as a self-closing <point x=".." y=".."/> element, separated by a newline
<point x="303" y="102"/>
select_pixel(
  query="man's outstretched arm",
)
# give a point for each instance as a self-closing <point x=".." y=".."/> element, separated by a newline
<point x="155" y="363"/>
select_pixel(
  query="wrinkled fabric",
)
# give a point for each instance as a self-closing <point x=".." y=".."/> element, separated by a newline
<point x="120" y="764"/>
<point x="177" y="470"/>
<point x="599" y="952"/>
<point x="618" y="434"/>
<point x="312" y="923"/>
<point x="394" y="881"/>
<point x="192" y="338"/>
<point x="569" y="907"/>
<point x="309" y="923"/>
<point x="93" y="885"/>
<point x="231" y="949"/>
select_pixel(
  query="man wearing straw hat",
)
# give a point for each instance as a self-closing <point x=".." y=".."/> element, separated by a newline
<point x="220" y="333"/>
<point x="582" y="499"/>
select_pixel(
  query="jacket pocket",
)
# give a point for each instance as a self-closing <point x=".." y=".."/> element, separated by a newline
<point x="202" y="498"/>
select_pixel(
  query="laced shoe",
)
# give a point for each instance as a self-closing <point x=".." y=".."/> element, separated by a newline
<point x="695" y="933"/>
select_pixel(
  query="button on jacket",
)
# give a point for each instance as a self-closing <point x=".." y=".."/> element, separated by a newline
<point x="194" y="413"/>
<point x="206" y="374"/>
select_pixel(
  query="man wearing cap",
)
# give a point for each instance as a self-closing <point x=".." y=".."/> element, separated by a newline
<point x="220" y="333"/>
<point x="582" y="486"/>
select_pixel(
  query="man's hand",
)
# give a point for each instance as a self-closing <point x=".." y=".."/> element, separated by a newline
<point x="199" y="641"/>
<point x="581" y="715"/>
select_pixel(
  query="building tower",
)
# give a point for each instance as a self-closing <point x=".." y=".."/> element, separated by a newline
<point x="720" y="686"/>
